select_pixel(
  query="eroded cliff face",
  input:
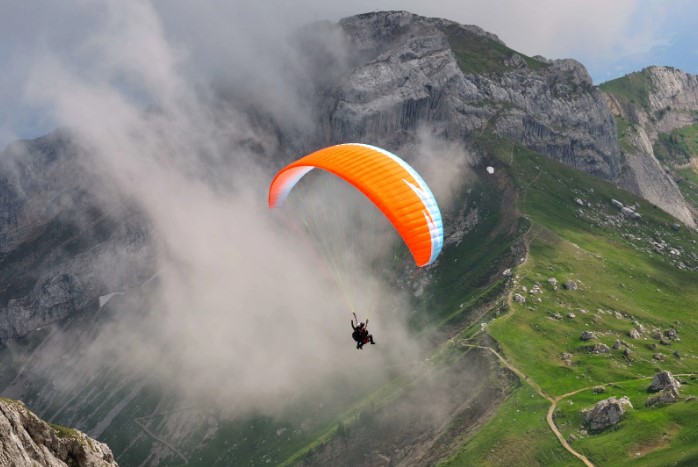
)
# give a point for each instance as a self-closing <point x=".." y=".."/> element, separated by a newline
<point x="26" y="440"/>
<point x="666" y="99"/>
<point x="64" y="238"/>
<point x="457" y="81"/>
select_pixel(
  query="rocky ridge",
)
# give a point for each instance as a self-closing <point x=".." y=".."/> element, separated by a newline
<point x="409" y="71"/>
<point x="26" y="440"/>
<point x="666" y="99"/>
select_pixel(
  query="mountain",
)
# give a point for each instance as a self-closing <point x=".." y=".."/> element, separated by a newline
<point x="586" y="225"/>
<point x="28" y="441"/>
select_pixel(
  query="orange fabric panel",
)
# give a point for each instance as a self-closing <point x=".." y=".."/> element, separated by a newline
<point x="381" y="179"/>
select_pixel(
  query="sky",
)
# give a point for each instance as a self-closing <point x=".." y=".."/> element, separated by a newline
<point x="141" y="82"/>
<point x="609" y="38"/>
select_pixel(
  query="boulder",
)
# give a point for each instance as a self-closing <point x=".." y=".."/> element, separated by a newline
<point x="634" y="334"/>
<point x="606" y="413"/>
<point x="587" y="336"/>
<point x="571" y="285"/>
<point x="600" y="348"/>
<point x="518" y="298"/>
<point x="662" y="381"/>
<point x="667" y="396"/>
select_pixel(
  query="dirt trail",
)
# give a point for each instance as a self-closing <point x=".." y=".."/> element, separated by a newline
<point x="544" y="395"/>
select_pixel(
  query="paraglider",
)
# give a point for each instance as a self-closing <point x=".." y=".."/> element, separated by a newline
<point x="394" y="187"/>
<point x="360" y="334"/>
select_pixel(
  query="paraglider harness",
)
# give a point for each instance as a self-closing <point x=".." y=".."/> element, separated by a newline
<point x="360" y="334"/>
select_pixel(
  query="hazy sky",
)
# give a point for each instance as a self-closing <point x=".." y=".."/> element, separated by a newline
<point x="610" y="38"/>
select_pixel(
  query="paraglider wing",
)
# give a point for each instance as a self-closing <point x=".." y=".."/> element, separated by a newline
<point x="388" y="181"/>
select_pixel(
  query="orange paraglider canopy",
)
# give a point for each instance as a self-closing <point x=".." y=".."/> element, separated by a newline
<point x="388" y="181"/>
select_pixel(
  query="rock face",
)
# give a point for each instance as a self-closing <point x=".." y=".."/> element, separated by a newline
<point x="26" y="440"/>
<point x="606" y="413"/>
<point x="670" y="102"/>
<point x="409" y="71"/>
<point x="663" y="380"/>
<point x="59" y="248"/>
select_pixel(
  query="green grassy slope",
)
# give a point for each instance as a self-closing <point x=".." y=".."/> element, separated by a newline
<point x="623" y="281"/>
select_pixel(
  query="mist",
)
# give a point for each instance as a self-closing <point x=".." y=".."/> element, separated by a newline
<point x="251" y="310"/>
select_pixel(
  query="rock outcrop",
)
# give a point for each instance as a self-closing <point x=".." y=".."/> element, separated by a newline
<point x="663" y="380"/>
<point x="26" y="440"/>
<point x="64" y="238"/>
<point x="409" y="71"/>
<point x="667" y="99"/>
<point x="606" y="413"/>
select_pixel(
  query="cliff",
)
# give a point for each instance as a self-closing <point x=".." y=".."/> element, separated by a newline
<point x="26" y="440"/>
<point x="647" y="104"/>
<point x="65" y="239"/>
<point x="458" y="81"/>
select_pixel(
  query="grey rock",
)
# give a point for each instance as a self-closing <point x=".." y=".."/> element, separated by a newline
<point x="587" y="335"/>
<point x="667" y="396"/>
<point x="571" y="285"/>
<point x="64" y="248"/>
<point x="28" y="441"/>
<point x="634" y="334"/>
<point x="671" y="104"/>
<point x="404" y="73"/>
<point x="606" y="413"/>
<point x="600" y="348"/>
<point x="519" y="298"/>
<point x="663" y="380"/>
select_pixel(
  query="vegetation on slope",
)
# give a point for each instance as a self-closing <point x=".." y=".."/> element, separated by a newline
<point x="477" y="54"/>
<point x="633" y="88"/>
<point x="624" y="280"/>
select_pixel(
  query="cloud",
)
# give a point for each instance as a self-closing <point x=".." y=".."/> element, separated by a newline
<point x="248" y="311"/>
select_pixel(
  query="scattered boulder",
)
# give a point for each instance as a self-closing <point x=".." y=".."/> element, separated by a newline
<point x="663" y="380"/>
<point x="676" y="227"/>
<point x="579" y="202"/>
<point x="587" y="336"/>
<point x="616" y="345"/>
<point x="600" y="348"/>
<point x="617" y="204"/>
<point x="667" y="396"/>
<point x="634" y="334"/>
<point x="571" y="285"/>
<point x="671" y="333"/>
<point x="659" y="357"/>
<point x="556" y="316"/>
<point x="571" y="315"/>
<point x="598" y="390"/>
<point x="553" y="282"/>
<point x="518" y="298"/>
<point x="507" y="273"/>
<point x="606" y="413"/>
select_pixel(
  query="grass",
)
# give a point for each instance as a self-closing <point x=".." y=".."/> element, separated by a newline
<point x="645" y="436"/>
<point x="480" y="55"/>
<point x="516" y="435"/>
<point x="633" y="88"/>
<point x="677" y="147"/>
<point x="620" y="279"/>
